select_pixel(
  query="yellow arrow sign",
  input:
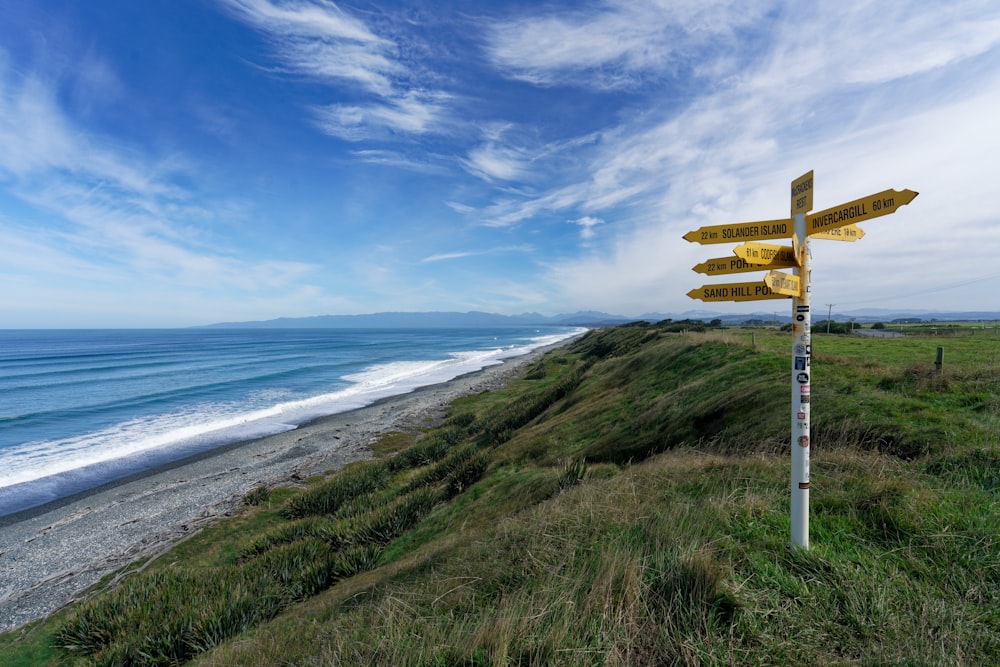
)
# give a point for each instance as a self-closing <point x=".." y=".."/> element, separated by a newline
<point x="783" y="283"/>
<point x="756" y="291"/>
<point x="724" y="265"/>
<point x="742" y="231"/>
<point x="846" y="233"/>
<point x="774" y="256"/>
<point x="802" y="193"/>
<point x="866" y="208"/>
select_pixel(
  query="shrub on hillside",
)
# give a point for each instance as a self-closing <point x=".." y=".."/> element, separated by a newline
<point x="327" y="497"/>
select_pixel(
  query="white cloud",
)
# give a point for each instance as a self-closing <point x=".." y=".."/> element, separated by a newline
<point x="861" y="43"/>
<point x="493" y="162"/>
<point x="501" y="250"/>
<point x="867" y="96"/>
<point x="102" y="216"/>
<point x="38" y="139"/>
<point x="301" y="18"/>
<point x="446" y="256"/>
<point x="319" y="39"/>
<point x="587" y="224"/>
<point x="355" y="63"/>
<point x="422" y="163"/>
<point x="614" y="44"/>
<point x="414" y="112"/>
<point x="459" y="207"/>
<point x="716" y="106"/>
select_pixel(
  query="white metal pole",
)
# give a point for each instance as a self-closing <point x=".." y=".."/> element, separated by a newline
<point x="801" y="390"/>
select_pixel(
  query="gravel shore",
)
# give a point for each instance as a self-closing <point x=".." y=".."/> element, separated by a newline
<point x="50" y="555"/>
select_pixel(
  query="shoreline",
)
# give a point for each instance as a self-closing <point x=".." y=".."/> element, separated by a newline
<point x="51" y="553"/>
<point x="52" y="505"/>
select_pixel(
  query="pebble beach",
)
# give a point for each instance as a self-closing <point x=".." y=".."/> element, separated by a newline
<point x="50" y="556"/>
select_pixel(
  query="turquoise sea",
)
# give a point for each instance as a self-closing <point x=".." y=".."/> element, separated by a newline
<point x="82" y="408"/>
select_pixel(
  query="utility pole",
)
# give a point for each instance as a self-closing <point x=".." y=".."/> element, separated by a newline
<point x="829" y="314"/>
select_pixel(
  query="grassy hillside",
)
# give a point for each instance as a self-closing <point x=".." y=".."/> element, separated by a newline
<point x="624" y="503"/>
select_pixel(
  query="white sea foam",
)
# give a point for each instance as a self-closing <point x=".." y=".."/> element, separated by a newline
<point x="135" y="444"/>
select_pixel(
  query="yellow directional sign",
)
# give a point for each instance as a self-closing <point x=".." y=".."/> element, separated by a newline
<point x="866" y="208"/>
<point x="742" y="231"/>
<point x="774" y="256"/>
<point x="846" y="233"/>
<point x="802" y="193"/>
<point x="783" y="283"/>
<point x="725" y="265"/>
<point x="756" y="291"/>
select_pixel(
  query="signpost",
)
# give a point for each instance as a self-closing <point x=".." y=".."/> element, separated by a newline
<point x="802" y="193"/>
<point x="726" y="265"/>
<point x="783" y="283"/>
<point x="773" y="256"/>
<point x="838" y="223"/>
<point x="735" y="292"/>
<point x="849" y="233"/>
<point x="742" y="231"/>
<point x="859" y="210"/>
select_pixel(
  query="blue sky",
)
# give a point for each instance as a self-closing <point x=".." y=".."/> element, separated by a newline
<point x="180" y="162"/>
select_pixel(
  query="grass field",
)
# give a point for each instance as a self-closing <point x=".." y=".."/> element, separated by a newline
<point x="625" y="502"/>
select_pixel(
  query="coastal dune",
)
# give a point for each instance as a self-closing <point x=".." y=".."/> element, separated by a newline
<point x="50" y="555"/>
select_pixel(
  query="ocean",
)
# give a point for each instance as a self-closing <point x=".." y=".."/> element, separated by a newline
<point x="82" y="408"/>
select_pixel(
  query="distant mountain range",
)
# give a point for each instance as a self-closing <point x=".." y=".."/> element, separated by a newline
<point x="419" y="320"/>
<point x="588" y="318"/>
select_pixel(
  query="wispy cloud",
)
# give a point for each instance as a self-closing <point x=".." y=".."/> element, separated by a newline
<point x="37" y="140"/>
<point x="615" y="44"/>
<point x="301" y="18"/>
<point x="423" y="163"/>
<point x="502" y="250"/>
<point x="446" y="256"/>
<point x="587" y="224"/>
<point x="494" y="162"/>
<point x="784" y="89"/>
<point x="318" y="39"/>
<point x="413" y="112"/>
<point x="112" y="214"/>
<point x="459" y="207"/>
<point x="859" y="108"/>
<point x="522" y="153"/>
<point x="321" y="40"/>
<point x="874" y="44"/>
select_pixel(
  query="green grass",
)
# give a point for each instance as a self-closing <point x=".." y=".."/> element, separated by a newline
<point x="625" y="502"/>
